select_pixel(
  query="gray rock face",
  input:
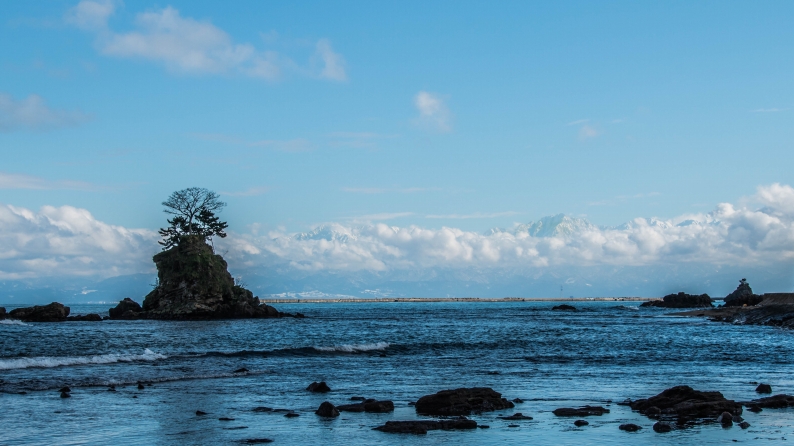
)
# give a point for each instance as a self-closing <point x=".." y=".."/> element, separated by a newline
<point x="462" y="401"/>
<point x="53" y="312"/>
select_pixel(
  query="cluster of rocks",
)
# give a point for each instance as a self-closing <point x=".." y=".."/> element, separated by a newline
<point x="681" y="300"/>
<point x="742" y="296"/>
<point x="54" y="312"/>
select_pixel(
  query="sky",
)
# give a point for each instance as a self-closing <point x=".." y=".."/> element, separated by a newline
<point x="404" y="131"/>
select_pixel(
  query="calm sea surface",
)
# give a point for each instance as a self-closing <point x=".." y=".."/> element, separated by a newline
<point x="602" y="354"/>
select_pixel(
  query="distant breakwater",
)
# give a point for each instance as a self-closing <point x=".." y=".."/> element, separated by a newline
<point x="457" y="299"/>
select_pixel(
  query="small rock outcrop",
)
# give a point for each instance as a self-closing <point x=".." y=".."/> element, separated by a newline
<point x="463" y="401"/>
<point x="370" y="405"/>
<point x="629" y="427"/>
<point x="681" y="300"/>
<point x="318" y="387"/>
<point x="2" y="313"/>
<point x="53" y="312"/>
<point x="763" y="388"/>
<point x="563" y="307"/>
<point x="584" y="411"/>
<point x="662" y="427"/>
<point x="420" y="427"/>
<point x="327" y="410"/>
<point x="517" y="416"/>
<point x="126" y="309"/>
<point x="685" y="403"/>
<point x="580" y="423"/>
<point x="743" y="295"/>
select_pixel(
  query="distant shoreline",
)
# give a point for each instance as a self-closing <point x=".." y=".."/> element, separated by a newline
<point x="458" y="299"/>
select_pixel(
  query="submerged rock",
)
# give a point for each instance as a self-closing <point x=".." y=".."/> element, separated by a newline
<point x="65" y="395"/>
<point x="564" y="307"/>
<point x="584" y="411"/>
<point x="327" y="410"/>
<point x="91" y="317"/>
<point x="462" y="401"/>
<point x="54" y="312"/>
<point x="687" y="404"/>
<point x="681" y="300"/>
<point x="370" y="405"/>
<point x="662" y="427"/>
<point x="421" y="427"/>
<point x="629" y="427"/>
<point x="318" y="387"/>
<point x="517" y="416"/>
<point x="771" y="402"/>
<point x="580" y="423"/>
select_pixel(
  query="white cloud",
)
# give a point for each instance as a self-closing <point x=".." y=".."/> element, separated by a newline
<point x="20" y="181"/>
<point x="333" y="63"/>
<point x="474" y="215"/>
<point x="186" y="45"/>
<point x="433" y="112"/>
<point x="67" y="241"/>
<point x="588" y="132"/>
<point x="32" y="113"/>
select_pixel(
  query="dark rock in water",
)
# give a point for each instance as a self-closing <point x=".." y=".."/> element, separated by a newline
<point x="462" y="401"/>
<point x="518" y="400"/>
<point x="755" y="409"/>
<point x="517" y="416"/>
<point x="65" y="395"/>
<point x="772" y="402"/>
<point x="65" y="389"/>
<point x="629" y="427"/>
<point x="357" y="398"/>
<point x="764" y="388"/>
<point x="194" y="284"/>
<point x="292" y="415"/>
<point x="199" y="412"/>
<point x="53" y="312"/>
<point x="483" y="426"/>
<point x="726" y="418"/>
<point x="744" y="425"/>
<point x="262" y="409"/>
<point x="111" y="388"/>
<point x="584" y="411"/>
<point x="318" y="387"/>
<point x="743" y="295"/>
<point x="513" y="425"/>
<point x="493" y="372"/>
<point x="662" y="427"/>
<point x="653" y="412"/>
<point x="91" y="317"/>
<point x="327" y="410"/>
<point x="141" y="386"/>
<point x="241" y="370"/>
<point x="681" y="300"/>
<point x="580" y="423"/>
<point x="687" y="403"/>
<point x="564" y="307"/>
<point x="126" y="309"/>
<point x="412" y="403"/>
<point x="370" y="405"/>
<point x="421" y="427"/>
<point x="2" y="312"/>
<point x="225" y="419"/>
<point x="256" y="441"/>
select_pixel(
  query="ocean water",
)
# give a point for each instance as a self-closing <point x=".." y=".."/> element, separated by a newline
<point x="602" y="354"/>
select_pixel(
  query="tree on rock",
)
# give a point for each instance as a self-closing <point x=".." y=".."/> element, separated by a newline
<point x="194" y="211"/>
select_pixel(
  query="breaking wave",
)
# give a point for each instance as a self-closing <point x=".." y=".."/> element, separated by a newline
<point x="11" y="322"/>
<point x="63" y="361"/>
<point x="352" y="348"/>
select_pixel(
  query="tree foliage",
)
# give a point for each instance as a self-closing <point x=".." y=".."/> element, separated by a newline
<point x="194" y="211"/>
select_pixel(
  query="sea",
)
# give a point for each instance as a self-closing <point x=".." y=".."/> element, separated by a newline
<point x="601" y="354"/>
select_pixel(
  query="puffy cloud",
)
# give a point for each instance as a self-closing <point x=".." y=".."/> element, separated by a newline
<point x="186" y="45"/>
<point x="433" y="112"/>
<point x="67" y="241"/>
<point x="32" y="113"/>
<point x="729" y="235"/>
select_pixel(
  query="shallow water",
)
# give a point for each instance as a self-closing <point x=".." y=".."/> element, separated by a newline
<point x="606" y="352"/>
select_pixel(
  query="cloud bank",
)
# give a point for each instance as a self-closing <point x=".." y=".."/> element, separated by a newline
<point x="186" y="45"/>
<point x="70" y="241"/>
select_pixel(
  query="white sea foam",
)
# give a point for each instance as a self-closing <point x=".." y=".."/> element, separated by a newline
<point x="11" y="322"/>
<point x="630" y="307"/>
<point x="62" y="361"/>
<point x="352" y="348"/>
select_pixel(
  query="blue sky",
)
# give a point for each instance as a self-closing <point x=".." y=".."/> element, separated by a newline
<point x="465" y="115"/>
